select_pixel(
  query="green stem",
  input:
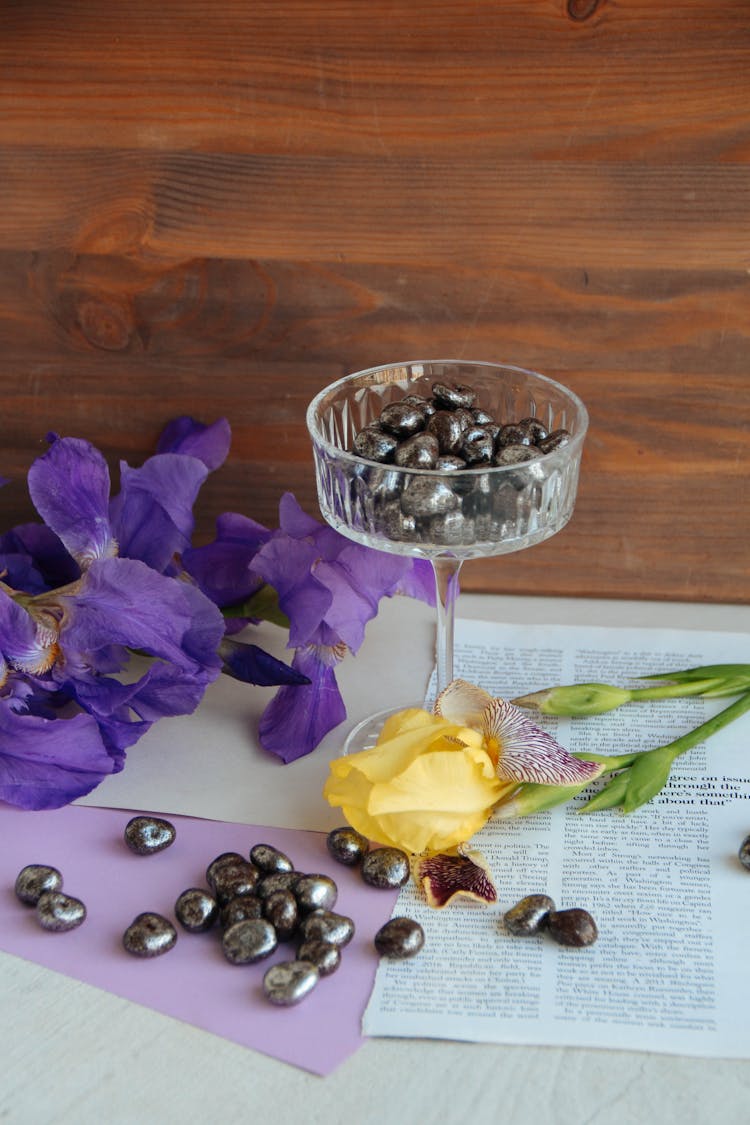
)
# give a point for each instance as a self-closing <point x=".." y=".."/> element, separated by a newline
<point x="711" y="726"/>
<point x="675" y="691"/>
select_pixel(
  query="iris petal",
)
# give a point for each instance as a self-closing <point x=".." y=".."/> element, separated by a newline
<point x="124" y="602"/>
<point x="528" y="753"/>
<point x="210" y="444"/>
<point x="462" y="702"/>
<point x="69" y="486"/>
<point x="297" y="718"/>
<point x="443" y="877"/>
<point x="222" y="568"/>
<point x="152" y="516"/>
<point x="46" y="763"/>
<point x="22" y="643"/>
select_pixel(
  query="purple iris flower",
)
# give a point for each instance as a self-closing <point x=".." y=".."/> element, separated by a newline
<point x="329" y="587"/>
<point x="109" y="583"/>
<point x="93" y="591"/>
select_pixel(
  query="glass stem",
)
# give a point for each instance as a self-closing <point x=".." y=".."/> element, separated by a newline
<point x="446" y="570"/>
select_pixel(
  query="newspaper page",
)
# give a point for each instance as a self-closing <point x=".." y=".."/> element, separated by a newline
<point x="671" y="900"/>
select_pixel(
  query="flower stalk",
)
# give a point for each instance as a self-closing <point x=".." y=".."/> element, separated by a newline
<point x="635" y="778"/>
<point x="712" y="681"/>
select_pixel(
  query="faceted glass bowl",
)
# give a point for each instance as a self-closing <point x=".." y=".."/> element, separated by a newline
<point x="464" y="514"/>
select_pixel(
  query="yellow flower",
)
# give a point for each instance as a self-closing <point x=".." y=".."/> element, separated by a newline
<point x="426" y="787"/>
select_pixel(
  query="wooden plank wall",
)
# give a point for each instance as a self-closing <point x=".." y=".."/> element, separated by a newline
<point x="217" y="208"/>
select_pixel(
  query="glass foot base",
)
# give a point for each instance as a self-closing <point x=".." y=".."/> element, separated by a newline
<point x="365" y="734"/>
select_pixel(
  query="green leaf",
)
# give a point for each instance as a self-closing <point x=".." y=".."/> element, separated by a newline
<point x="263" y="604"/>
<point x="610" y="796"/>
<point x="647" y="776"/>
<point x="706" y="671"/>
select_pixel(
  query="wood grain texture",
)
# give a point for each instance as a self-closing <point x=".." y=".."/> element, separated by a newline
<point x="216" y="210"/>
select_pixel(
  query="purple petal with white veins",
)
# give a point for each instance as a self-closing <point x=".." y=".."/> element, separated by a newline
<point x="253" y="665"/>
<point x="222" y="568"/>
<point x="297" y="718"/>
<point x="47" y="763"/>
<point x="69" y="486"/>
<point x="125" y="602"/>
<point x="152" y="516"/>
<point x="528" y="753"/>
<point x="444" y="877"/>
<point x="210" y="444"/>
<point x="21" y="642"/>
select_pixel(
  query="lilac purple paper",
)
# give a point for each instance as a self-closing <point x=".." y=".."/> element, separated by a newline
<point x="193" y="982"/>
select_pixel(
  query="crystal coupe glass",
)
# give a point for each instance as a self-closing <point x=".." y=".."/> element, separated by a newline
<point x="444" y="516"/>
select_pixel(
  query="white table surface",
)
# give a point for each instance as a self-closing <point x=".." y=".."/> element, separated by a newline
<point x="72" y="1053"/>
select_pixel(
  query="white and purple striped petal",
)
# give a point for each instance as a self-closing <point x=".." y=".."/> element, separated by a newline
<point x="525" y="752"/>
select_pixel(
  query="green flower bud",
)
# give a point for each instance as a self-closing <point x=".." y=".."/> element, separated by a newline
<point x="576" y="699"/>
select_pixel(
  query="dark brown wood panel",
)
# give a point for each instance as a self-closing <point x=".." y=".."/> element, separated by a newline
<point x="217" y="209"/>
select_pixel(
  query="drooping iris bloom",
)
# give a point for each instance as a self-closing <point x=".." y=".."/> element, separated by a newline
<point x="106" y="577"/>
<point x="98" y="581"/>
<point x="329" y="588"/>
<point x="433" y="780"/>
<point x="326" y="590"/>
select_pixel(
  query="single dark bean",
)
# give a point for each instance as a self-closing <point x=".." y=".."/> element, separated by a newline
<point x="512" y="434"/>
<point x="326" y="925"/>
<point x="400" y="938"/>
<point x="249" y="941"/>
<point x="59" y="912"/>
<point x="315" y="892"/>
<point x="34" y="879"/>
<point x="535" y="428"/>
<point x="401" y="419"/>
<point x="325" y="956"/>
<point x="375" y="445"/>
<point x="221" y="861"/>
<point x="146" y="835"/>
<point x="529" y="915"/>
<point x="424" y="405"/>
<point x="478" y="446"/>
<point x="232" y="879"/>
<point x="555" y="440"/>
<point x="744" y="853"/>
<point x="418" y="452"/>
<point x="289" y="982"/>
<point x="515" y="454"/>
<point x="282" y="911"/>
<point x="196" y="910"/>
<point x="269" y="859"/>
<point x="425" y="496"/>
<point x="450" y="463"/>
<point x="277" y="881"/>
<point x="573" y="927"/>
<point x="149" y="935"/>
<point x="453" y="396"/>
<point x="347" y="846"/>
<point x="240" y="908"/>
<point x="386" y="868"/>
<point x="448" y="429"/>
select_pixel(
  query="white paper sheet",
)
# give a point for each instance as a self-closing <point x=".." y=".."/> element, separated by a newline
<point x="672" y="902"/>
<point x="211" y="764"/>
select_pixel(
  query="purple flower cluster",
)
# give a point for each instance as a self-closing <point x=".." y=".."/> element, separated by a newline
<point x="110" y="619"/>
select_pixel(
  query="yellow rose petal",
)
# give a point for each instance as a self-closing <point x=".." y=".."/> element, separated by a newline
<point x="444" y="781"/>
